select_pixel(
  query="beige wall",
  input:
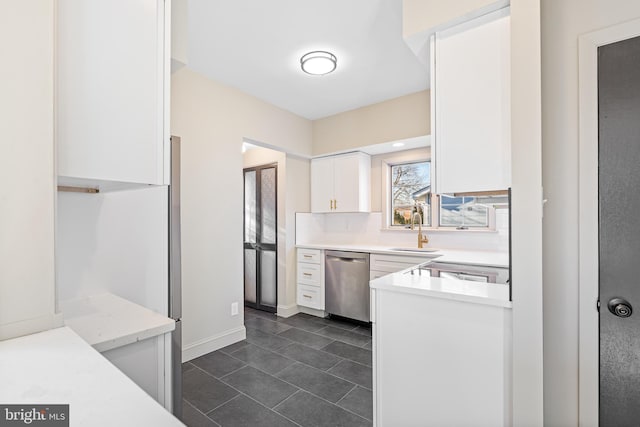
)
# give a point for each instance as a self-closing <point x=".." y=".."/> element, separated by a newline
<point x="422" y="15"/>
<point x="399" y="118"/>
<point x="562" y="23"/>
<point x="179" y="33"/>
<point x="27" y="289"/>
<point x="212" y="120"/>
<point x="298" y="199"/>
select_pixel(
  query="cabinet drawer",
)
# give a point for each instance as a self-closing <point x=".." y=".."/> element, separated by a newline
<point x="310" y="296"/>
<point x="309" y="273"/>
<point x="313" y="256"/>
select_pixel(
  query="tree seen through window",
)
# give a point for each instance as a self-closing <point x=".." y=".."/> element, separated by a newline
<point x="410" y="192"/>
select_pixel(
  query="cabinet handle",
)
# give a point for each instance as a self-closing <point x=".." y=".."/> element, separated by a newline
<point x="306" y="296"/>
<point x="307" y="274"/>
<point x="331" y="204"/>
<point x="308" y="256"/>
<point x="335" y="204"/>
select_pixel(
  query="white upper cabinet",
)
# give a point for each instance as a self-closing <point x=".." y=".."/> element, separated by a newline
<point x="341" y="183"/>
<point x="112" y="90"/>
<point x="471" y="105"/>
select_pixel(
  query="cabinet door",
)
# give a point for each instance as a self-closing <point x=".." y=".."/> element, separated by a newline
<point x="140" y="361"/>
<point x="472" y="105"/>
<point x="352" y="183"/>
<point x="111" y="93"/>
<point x="322" y="195"/>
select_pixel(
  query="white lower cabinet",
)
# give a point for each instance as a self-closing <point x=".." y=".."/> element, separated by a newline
<point x="310" y="278"/>
<point x="310" y="296"/>
<point x="133" y="338"/>
<point x="147" y="363"/>
<point x="440" y="362"/>
<point x="310" y="272"/>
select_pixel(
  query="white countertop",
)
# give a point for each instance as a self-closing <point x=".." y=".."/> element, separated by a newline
<point x="456" y="256"/>
<point x="59" y="367"/>
<point x="425" y="285"/>
<point x="107" y="321"/>
<point x="452" y="289"/>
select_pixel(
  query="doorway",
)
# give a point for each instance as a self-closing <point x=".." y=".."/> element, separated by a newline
<point x="609" y="99"/>
<point x="261" y="237"/>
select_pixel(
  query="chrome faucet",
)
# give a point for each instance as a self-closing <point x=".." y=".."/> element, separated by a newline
<point x="422" y="239"/>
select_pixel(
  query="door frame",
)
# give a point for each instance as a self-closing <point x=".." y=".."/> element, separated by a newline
<point x="257" y="169"/>
<point x="588" y="257"/>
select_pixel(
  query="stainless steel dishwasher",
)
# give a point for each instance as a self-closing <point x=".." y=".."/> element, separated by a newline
<point x="347" y="284"/>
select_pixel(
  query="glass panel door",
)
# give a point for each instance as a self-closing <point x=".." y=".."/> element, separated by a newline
<point x="260" y="237"/>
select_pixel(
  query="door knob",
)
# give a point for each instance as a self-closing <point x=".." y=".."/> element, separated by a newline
<point x="620" y="307"/>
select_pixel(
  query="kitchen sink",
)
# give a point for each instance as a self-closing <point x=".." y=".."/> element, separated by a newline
<point x="415" y="249"/>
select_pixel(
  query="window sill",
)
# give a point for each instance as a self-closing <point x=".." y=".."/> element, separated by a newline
<point x="440" y="230"/>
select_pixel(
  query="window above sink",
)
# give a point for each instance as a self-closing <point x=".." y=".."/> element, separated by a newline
<point x="409" y="198"/>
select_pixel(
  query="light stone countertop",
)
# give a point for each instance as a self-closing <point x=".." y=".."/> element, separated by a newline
<point x="425" y="285"/>
<point x="445" y="288"/>
<point x="59" y="367"/>
<point x="107" y="321"/>
<point x="453" y="256"/>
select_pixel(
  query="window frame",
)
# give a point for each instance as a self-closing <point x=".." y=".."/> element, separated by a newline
<point x="490" y="215"/>
<point x="388" y="188"/>
<point x="434" y="206"/>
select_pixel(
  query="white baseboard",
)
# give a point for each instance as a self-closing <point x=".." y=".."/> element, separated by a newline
<point x="207" y="345"/>
<point x="288" y="310"/>
<point x="311" y="311"/>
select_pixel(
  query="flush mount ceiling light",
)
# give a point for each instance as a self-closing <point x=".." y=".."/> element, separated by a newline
<point x="398" y="144"/>
<point x="318" y="62"/>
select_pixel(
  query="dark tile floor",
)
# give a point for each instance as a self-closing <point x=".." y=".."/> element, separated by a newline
<point x="301" y="371"/>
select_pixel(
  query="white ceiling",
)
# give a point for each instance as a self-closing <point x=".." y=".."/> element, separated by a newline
<point x="256" y="45"/>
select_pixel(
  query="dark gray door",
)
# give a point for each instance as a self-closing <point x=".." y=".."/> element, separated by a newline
<point x="619" y="228"/>
<point x="260" y="238"/>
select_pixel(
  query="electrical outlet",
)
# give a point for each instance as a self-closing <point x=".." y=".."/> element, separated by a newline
<point x="234" y="308"/>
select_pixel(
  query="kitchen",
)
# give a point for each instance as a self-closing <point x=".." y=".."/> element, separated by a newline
<point x="207" y="327"/>
<point x="351" y="228"/>
<point x="224" y="115"/>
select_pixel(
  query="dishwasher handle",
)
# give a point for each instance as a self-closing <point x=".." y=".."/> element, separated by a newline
<point x="344" y="259"/>
<point x="345" y="256"/>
